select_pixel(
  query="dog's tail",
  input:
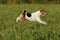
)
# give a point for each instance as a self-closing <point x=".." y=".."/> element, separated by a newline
<point x="17" y="19"/>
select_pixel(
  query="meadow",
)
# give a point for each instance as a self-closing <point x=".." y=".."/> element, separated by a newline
<point x="26" y="30"/>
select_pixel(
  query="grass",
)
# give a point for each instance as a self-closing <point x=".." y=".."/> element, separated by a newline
<point x="10" y="30"/>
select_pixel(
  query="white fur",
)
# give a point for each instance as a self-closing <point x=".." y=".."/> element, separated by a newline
<point x="35" y="17"/>
<point x="17" y="19"/>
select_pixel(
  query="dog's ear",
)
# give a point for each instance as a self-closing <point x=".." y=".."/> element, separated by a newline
<point x="43" y="12"/>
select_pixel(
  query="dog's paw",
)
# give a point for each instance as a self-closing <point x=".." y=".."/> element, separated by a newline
<point x="44" y="23"/>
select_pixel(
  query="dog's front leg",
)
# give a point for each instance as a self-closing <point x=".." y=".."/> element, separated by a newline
<point x="40" y="21"/>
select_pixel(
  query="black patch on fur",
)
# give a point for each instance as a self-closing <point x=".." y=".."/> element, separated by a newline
<point x="29" y="14"/>
<point x="24" y="13"/>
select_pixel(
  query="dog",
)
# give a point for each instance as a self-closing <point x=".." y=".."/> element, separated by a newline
<point x="32" y="16"/>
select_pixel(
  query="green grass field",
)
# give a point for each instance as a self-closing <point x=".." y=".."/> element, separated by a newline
<point x="26" y="30"/>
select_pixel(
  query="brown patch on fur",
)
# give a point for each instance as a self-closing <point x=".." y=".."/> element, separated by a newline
<point x="22" y="17"/>
<point x="42" y="12"/>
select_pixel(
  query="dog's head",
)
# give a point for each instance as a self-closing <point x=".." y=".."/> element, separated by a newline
<point x="21" y="17"/>
<point x="43" y="12"/>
